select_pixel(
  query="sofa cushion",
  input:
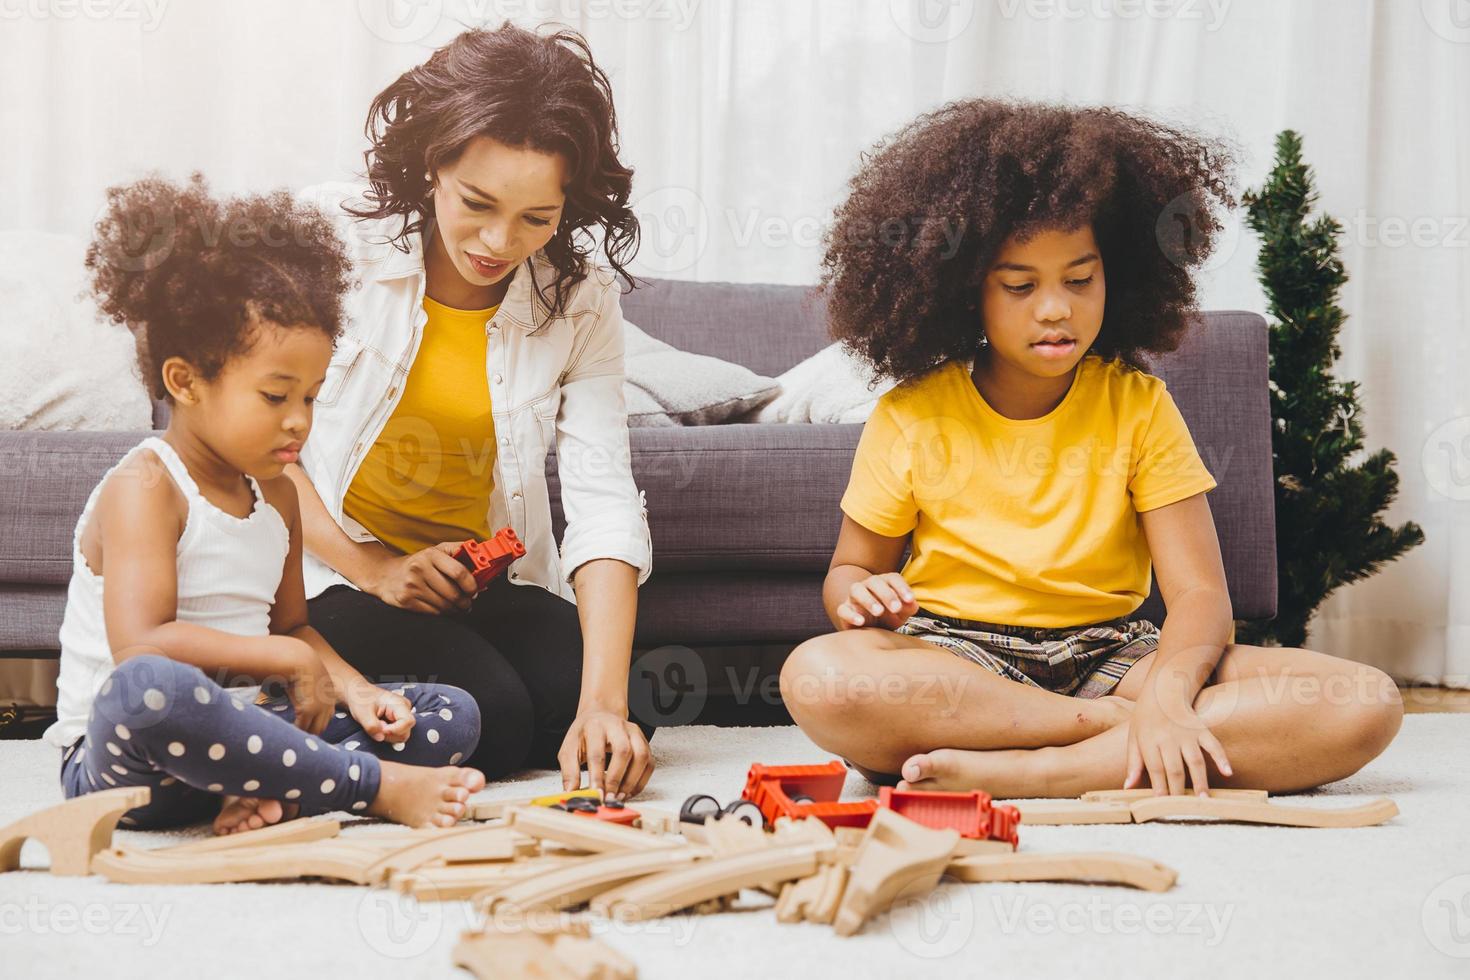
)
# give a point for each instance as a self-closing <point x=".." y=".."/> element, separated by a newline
<point x="665" y="386"/>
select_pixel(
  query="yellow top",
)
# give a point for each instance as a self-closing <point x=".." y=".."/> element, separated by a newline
<point x="1026" y="522"/>
<point x="428" y="476"/>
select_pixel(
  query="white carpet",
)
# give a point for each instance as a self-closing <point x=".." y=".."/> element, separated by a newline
<point x="1381" y="901"/>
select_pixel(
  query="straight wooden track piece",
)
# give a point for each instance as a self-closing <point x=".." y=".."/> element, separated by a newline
<point x="1099" y="868"/>
<point x="664" y="894"/>
<point x="580" y="880"/>
<point x="583" y="833"/>
<point x="72" y="832"/>
<point x="973" y="845"/>
<point x="896" y="857"/>
<point x="1129" y="795"/>
<point x="1073" y="812"/>
<point x="1164" y="807"/>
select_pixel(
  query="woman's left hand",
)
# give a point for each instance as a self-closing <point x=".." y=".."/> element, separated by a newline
<point x="1170" y="741"/>
<point x="617" y="755"/>
<point x="383" y="715"/>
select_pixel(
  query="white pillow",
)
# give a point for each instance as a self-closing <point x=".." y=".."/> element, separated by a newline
<point x="832" y="386"/>
<point x="62" y="365"/>
<point x="665" y="386"/>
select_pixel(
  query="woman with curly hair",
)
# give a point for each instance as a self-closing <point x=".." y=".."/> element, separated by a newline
<point x="482" y="335"/>
<point x="186" y="569"/>
<point x="1003" y="262"/>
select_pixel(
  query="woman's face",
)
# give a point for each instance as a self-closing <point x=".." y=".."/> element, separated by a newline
<point x="495" y="206"/>
<point x="1049" y="286"/>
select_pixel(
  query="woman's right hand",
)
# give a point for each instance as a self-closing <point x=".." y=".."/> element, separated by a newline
<point x="428" y="581"/>
<point x="879" y="600"/>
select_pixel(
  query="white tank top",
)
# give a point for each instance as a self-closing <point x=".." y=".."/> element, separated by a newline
<point x="228" y="571"/>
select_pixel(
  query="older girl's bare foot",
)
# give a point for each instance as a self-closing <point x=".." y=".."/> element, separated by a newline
<point x="419" y="796"/>
<point x="1003" y="773"/>
<point x="242" y="813"/>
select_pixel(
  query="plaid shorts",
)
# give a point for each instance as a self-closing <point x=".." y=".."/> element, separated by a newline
<point x="1081" y="661"/>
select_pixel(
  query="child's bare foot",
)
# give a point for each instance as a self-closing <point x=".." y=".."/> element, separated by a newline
<point x="419" y="796"/>
<point x="242" y="813"/>
<point x="1003" y="773"/>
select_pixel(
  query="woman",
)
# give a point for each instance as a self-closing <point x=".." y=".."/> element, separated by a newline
<point x="480" y="335"/>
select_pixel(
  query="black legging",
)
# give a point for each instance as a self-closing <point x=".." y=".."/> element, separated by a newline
<point x="518" y="652"/>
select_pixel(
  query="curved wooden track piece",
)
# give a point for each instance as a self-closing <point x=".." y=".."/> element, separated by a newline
<point x="286" y="832"/>
<point x="896" y="856"/>
<point x="580" y="880"/>
<point x="455" y="845"/>
<point x="1163" y="807"/>
<point x="1098" y="868"/>
<point x="667" y="893"/>
<point x="72" y="832"/>
<point x="338" y="859"/>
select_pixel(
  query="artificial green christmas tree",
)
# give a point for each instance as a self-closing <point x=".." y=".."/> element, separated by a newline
<point x="1328" y="532"/>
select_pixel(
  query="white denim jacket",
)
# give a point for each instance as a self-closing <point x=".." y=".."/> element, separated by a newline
<point x="554" y="380"/>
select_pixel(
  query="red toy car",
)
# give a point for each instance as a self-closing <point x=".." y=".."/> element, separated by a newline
<point x="487" y="559"/>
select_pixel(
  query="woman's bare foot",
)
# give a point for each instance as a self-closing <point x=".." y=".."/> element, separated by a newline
<point x="242" y="813"/>
<point x="419" y="796"/>
<point x="1003" y="773"/>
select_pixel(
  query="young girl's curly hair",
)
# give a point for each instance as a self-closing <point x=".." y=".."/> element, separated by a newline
<point x="542" y="92"/>
<point x="193" y="276"/>
<point x="931" y="207"/>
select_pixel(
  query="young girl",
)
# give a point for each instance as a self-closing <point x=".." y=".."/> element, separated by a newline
<point x="1004" y="262"/>
<point x="187" y="559"/>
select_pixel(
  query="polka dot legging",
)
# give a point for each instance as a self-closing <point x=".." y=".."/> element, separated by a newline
<point x="164" y="724"/>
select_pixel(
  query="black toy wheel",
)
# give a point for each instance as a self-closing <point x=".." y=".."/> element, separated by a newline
<point x="699" y="808"/>
<point x="743" y="809"/>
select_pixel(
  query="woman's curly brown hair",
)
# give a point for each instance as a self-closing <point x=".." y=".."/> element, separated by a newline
<point x="542" y="92"/>
<point x="931" y="207"/>
<point x="193" y="276"/>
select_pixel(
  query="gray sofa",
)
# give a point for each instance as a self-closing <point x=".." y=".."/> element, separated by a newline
<point x="744" y="517"/>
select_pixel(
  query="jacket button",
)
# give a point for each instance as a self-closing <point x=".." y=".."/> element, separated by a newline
<point x="516" y="495"/>
<point x="498" y="379"/>
<point x="505" y="440"/>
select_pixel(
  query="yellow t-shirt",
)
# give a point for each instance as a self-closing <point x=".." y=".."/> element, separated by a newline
<point x="427" y="477"/>
<point x="1026" y="522"/>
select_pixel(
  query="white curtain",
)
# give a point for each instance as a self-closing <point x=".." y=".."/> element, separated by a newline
<point x="743" y="121"/>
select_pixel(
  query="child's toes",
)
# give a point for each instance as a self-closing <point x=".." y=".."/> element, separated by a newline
<point x="473" y="780"/>
<point x="917" y="768"/>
